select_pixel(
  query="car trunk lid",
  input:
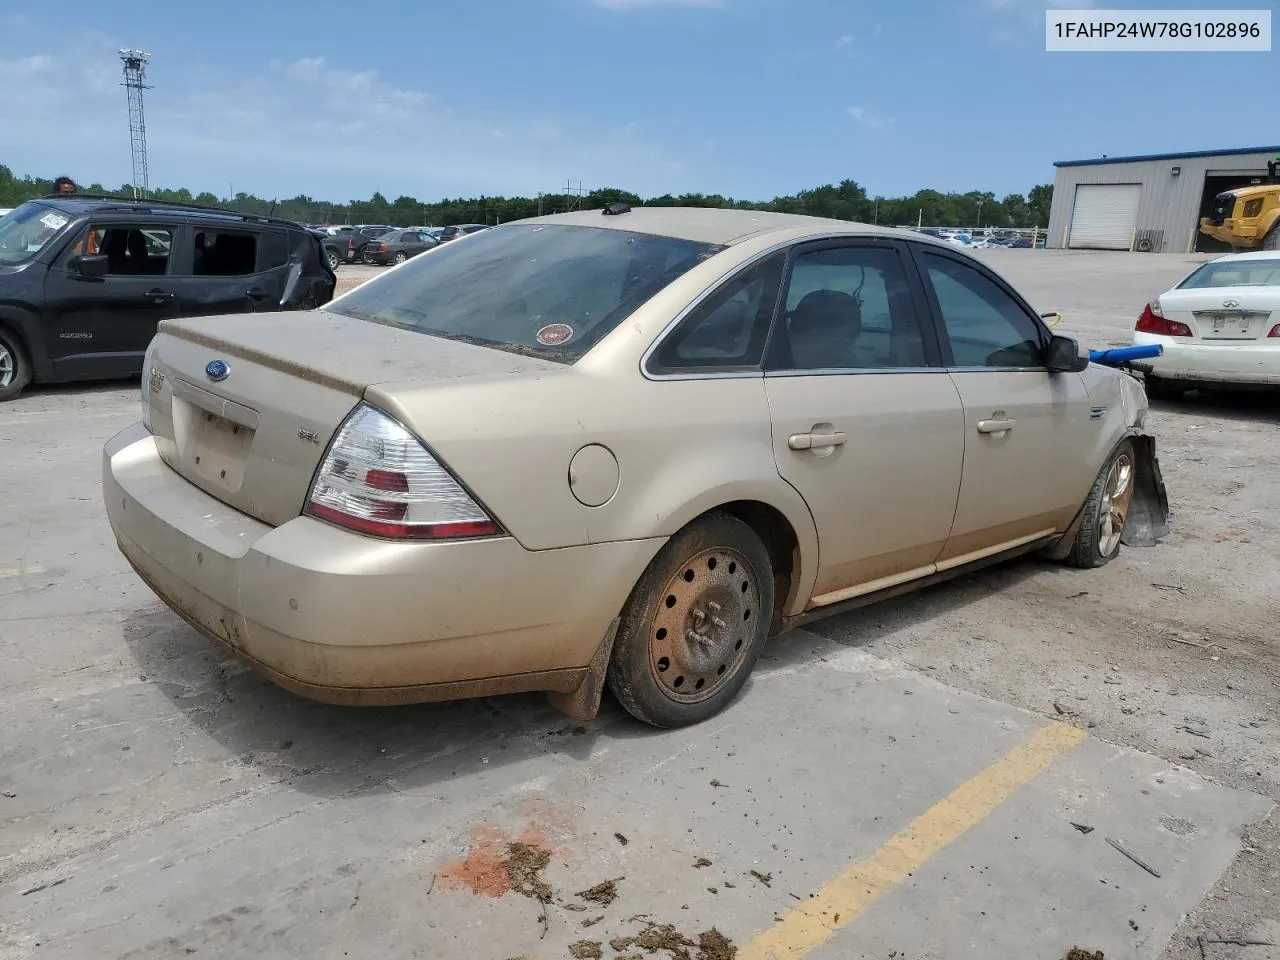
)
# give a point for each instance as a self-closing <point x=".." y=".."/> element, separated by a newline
<point x="254" y="434"/>
<point x="1239" y="314"/>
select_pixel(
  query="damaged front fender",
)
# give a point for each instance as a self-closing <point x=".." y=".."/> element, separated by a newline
<point x="1148" y="519"/>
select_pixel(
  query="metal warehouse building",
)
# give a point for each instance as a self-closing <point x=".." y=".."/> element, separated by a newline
<point x="1149" y="204"/>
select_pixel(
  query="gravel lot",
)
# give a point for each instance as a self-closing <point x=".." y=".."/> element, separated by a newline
<point x="161" y="801"/>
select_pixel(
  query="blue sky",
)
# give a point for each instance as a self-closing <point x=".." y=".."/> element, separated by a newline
<point x="750" y="98"/>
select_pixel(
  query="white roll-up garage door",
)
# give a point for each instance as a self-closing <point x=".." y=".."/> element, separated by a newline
<point x="1105" y="215"/>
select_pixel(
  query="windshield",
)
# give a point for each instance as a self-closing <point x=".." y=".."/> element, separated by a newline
<point x="27" y="229"/>
<point x="540" y="289"/>
<point x="1235" y="273"/>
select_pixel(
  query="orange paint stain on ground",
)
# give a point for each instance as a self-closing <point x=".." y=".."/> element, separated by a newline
<point x="484" y="870"/>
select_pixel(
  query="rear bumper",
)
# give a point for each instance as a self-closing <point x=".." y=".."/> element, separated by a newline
<point x="347" y="619"/>
<point x="1200" y="362"/>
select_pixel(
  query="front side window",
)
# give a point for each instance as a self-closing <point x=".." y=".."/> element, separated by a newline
<point x="850" y="308"/>
<point x="225" y="253"/>
<point x="539" y="289"/>
<point x="131" y="250"/>
<point x="986" y="326"/>
<point x="27" y="230"/>
<point x="728" y="329"/>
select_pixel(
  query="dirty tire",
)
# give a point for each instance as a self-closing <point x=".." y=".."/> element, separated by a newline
<point x="1161" y="389"/>
<point x="694" y="625"/>
<point x="1090" y="548"/>
<point x="1272" y="240"/>
<point x="15" y="369"/>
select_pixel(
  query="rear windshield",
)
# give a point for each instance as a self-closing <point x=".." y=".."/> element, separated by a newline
<point x="25" y="231"/>
<point x="1235" y="273"/>
<point x="545" y="290"/>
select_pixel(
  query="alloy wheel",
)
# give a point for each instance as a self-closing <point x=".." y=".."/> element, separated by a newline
<point x="1117" y="495"/>
<point x="8" y="366"/>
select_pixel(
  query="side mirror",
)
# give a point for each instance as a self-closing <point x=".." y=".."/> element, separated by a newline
<point x="1063" y="356"/>
<point x="91" y="266"/>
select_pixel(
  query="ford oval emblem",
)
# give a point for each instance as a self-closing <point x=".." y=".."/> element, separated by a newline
<point x="217" y="370"/>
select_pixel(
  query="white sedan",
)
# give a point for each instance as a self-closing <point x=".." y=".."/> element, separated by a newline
<point x="1219" y="326"/>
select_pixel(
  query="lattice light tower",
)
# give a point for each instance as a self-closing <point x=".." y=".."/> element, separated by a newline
<point x="135" y="81"/>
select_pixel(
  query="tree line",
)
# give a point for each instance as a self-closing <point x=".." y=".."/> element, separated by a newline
<point x="847" y="200"/>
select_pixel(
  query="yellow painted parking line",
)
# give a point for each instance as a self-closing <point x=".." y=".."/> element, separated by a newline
<point x="844" y="898"/>
<point x="23" y="569"/>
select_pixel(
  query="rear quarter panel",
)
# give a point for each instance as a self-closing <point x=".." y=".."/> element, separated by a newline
<point x="683" y="447"/>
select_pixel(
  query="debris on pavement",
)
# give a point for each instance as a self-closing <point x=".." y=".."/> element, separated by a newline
<point x="524" y="865"/>
<point x="764" y="878"/>
<point x="586" y="950"/>
<point x="621" y="839"/>
<point x="1134" y="857"/>
<point x="1083" y="828"/>
<point x="1240" y="941"/>
<point x="591" y="922"/>
<point x="1075" y="953"/>
<point x="700" y="863"/>
<point x="602" y="893"/>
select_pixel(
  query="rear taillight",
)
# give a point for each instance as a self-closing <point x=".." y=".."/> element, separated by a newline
<point x="378" y="478"/>
<point x="351" y="243"/>
<point x="1275" y="331"/>
<point x="1153" y="321"/>
<point x="382" y="248"/>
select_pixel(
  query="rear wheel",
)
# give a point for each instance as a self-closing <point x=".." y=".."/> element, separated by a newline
<point x="400" y="257"/>
<point x="1160" y="389"/>
<point x="333" y="258"/>
<point x="1098" y="539"/>
<point x="15" y="371"/>
<point x="695" y="624"/>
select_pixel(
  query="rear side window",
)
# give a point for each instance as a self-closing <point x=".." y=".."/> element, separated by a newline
<point x="543" y="290"/>
<point x="727" y="330"/>
<point x="225" y="253"/>
<point x="274" y="251"/>
<point x="985" y="326"/>
<point x="850" y="308"/>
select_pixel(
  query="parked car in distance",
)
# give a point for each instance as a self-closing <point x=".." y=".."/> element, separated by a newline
<point x="84" y="281"/>
<point x="460" y="230"/>
<point x="1220" y="326"/>
<point x="398" y="246"/>
<point x="497" y="468"/>
<point x="359" y="237"/>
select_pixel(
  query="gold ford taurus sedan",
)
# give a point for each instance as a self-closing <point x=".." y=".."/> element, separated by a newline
<point x="620" y="447"/>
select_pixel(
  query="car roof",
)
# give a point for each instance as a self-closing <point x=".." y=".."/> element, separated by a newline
<point x="1249" y="255"/>
<point x="713" y="224"/>
<point x="76" y="206"/>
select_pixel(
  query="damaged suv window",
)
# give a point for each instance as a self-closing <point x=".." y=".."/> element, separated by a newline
<point x="546" y="290"/>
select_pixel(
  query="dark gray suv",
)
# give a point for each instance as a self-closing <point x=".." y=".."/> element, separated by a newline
<point x="85" y="280"/>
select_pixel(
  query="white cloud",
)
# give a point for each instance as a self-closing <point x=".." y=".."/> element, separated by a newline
<point x="868" y="119"/>
<point x="845" y="41"/>
<point x="312" y="126"/>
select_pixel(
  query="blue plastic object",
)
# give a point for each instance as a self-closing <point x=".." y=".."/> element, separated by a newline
<point x="1118" y="355"/>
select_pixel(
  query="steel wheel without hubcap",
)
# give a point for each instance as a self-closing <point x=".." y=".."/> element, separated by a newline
<point x="1117" y="495"/>
<point x="703" y="625"/>
<point x="8" y="366"/>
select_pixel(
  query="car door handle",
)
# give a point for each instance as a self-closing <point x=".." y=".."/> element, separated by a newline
<point x="157" y="295"/>
<point x="255" y="293"/>
<point x="995" y="426"/>
<point x="814" y="441"/>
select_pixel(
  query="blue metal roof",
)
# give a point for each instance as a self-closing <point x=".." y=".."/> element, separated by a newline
<point x="1230" y="152"/>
